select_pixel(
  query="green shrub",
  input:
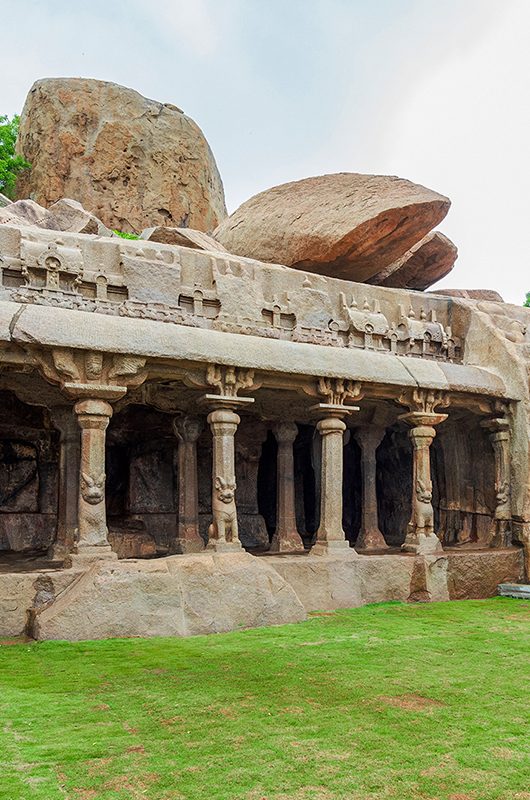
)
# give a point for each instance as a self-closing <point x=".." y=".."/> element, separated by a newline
<point x="527" y="301"/>
<point x="125" y="235"/>
<point x="10" y="164"/>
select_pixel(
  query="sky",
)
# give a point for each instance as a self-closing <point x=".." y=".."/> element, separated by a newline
<point x="437" y="91"/>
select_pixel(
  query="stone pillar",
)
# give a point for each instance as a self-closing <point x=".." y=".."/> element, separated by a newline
<point x="223" y="532"/>
<point x="286" y="537"/>
<point x="499" y="436"/>
<point x="92" y="543"/>
<point x="250" y="437"/>
<point x="421" y="537"/>
<point x="64" y="421"/>
<point x="330" y="536"/>
<point x="370" y="537"/>
<point x="187" y="431"/>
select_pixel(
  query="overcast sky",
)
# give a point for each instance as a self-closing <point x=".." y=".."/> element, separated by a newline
<point x="432" y="90"/>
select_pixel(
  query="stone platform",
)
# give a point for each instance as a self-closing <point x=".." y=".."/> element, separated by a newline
<point x="185" y="595"/>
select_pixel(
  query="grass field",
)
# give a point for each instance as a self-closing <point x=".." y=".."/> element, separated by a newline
<point x="410" y="702"/>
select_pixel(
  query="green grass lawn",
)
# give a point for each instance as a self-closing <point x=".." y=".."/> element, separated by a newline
<point x="387" y="701"/>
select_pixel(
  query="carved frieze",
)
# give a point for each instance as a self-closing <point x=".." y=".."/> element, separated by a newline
<point x="180" y="286"/>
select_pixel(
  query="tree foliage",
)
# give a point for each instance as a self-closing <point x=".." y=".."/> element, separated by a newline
<point x="527" y="301"/>
<point x="10" y="163"/>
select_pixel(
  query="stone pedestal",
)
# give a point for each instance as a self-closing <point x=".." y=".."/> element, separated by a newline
<point x="499" y="436"/>
<point x="64" y="421"/>
<point x="188" y="540"/>
<point x="286" y="538"/>
<point x="421" y="537"/>
<point x="370" y="537"/>
<point x="330" y="536"/>
<point x="92" y="543"/>
<point x="223" y="532"/>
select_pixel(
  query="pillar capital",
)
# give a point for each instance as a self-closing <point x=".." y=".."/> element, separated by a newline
<point x="422" y="419"/>
<point x="187" y="428"/>
<point x="225" y="420"/>
<point x="369" y="435"/>
<point x="285" y="432"/>
<point x="93" y="413"/>
<point x="63" y="420"/>
<point x="331" y="424"/>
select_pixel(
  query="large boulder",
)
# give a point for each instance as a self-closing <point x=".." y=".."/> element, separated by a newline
<point x="345" y="225"/>
<point x="424" y="264"/>
<point x="132" y="162"/>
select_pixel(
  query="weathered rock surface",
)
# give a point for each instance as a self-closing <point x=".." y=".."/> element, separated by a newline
<point x="477" y="575"/>
<point x="427" y="262"/>
<point x="346" y="225"/>
<point x="69" y="215"/>
<point x="185" y="237"/>
<point x="24" y="212"/>
<point x="4" y="201"/>
<point x="174" y="596"/>
<point x="471" y="294"/>
<point x="64" y="215"/>
<point x="132" y="544"/>
<point x="131" y="161"/>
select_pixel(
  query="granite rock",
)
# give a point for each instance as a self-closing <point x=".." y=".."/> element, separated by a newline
<point x="345" y="225"/>
<point x="131" y="161"/>
<point x="427" y="262"/>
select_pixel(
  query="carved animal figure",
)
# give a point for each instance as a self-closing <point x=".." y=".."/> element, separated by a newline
<point x="424" y="514"/>
<point x="92" y="489"/>
<point x="224" y="525"/>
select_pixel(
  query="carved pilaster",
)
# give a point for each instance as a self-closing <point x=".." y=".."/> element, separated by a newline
<point x="223" y="422"/>
<point x="330" y="536"/>
<point x="369" y="438"/>
<point x="223" y="532"/>
<point x="187" y="430"/>
<point x="499" y="435"/>
<point x="421" y="537"/>
<point x="92" y="543"/>
<point x="286" y="537"/>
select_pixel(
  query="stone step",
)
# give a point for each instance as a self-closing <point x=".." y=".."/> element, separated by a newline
<point x="521" y="590"/>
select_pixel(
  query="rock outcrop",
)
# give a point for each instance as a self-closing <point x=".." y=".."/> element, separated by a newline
<point x="175" y="596"/>
<point x="424" y="264"/>
<point x="131" y="161"/>
<point x="184" y="237"/>
<point x="471" y="294"/>
<point x="345" y="225"/>
<point x="64" y="215"/>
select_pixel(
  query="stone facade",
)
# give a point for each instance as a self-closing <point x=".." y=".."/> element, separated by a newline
<point x="361" y="443"/>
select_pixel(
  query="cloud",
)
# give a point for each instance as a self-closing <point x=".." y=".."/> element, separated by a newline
<point x="192" y="24"/>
